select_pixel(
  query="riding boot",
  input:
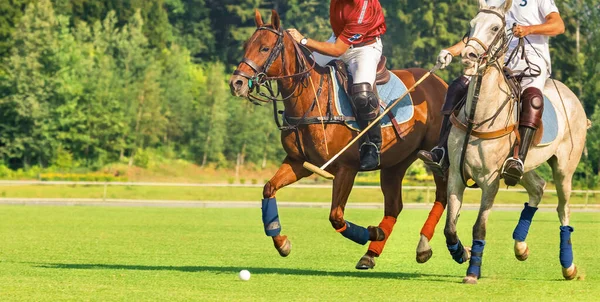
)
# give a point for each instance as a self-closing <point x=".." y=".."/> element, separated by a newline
<point x="437" y="158"/>
<point x="531" y="119"/>
<point x="366" y="108"/>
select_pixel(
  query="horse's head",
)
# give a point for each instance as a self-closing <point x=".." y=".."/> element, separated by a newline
<point x="260" y="56"/>
<point x="488" y="34"/>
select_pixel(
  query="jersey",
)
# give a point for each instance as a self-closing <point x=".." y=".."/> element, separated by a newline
<point x="532" y="12"/>
<point x="356" y="21"/>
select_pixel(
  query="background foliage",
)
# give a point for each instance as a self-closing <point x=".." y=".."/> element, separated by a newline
<point x="85" y="83"/>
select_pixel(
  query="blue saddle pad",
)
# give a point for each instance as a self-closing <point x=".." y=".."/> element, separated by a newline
<point x="550" y="122"/>
<point x="389" y="92"/>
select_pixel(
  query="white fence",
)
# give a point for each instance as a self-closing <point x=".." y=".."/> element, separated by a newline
<point x="428" y="189"/>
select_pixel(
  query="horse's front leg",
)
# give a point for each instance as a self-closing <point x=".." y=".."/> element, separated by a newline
<point x="456" y="189"/>
<point x="534" y="185"/>
<point x="487" y="201"/>
<point x="342" y="185"/>
<point x="424" y="252"/>
<point x="391" y="185"/>
<point x="289" y="172"/>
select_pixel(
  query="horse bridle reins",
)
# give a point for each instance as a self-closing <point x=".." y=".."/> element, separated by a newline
<point x="260" y="78"/>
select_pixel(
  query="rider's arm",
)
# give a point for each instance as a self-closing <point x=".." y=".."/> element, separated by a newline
<point x="336" y="49"/>
<point x="553" y="26"/>
<point x="457" y="48"/>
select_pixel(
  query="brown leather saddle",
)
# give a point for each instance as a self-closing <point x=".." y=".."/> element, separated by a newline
<point x="383" y="77"/>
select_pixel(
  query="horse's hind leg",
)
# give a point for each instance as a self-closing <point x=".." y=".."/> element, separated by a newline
<point x="289" y="172"/>
<point x="424" y="249"/>
<point x="391" y="185"/>
<point x="535" y="186"/>
<point x="562" y="172"/>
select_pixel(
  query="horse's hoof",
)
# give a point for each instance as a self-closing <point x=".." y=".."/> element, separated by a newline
<point x="285" y="249"/>
<point x="376" y="233"/>
<point x="424" y="256"/>
<point x="467" y="253"/>
<point x="521" y="250"/>
<point x="570" y="273"/>
<point x="470" y="279"/>
<point x="365" y="262"/>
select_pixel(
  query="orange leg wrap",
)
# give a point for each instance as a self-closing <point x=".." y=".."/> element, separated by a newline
<point x="433" y="219"/>
<point x="387" y="225"/>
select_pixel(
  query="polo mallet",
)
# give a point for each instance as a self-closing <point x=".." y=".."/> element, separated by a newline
<point x="321" y="170"/>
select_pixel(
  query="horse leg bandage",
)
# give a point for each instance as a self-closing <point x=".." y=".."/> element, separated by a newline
<point x="522" y="228"/>
<point x="476" y="257"/>
<point x="566" y="249"/>
<point x="387" y="225"/>
<point x="270" y="217"/>
<point x="355" y="233"/>
<point x="458" y="252"/>
<point x="434" y="217"/>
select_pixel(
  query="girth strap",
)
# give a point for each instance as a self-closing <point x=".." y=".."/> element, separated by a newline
<point x="482" y="134"/>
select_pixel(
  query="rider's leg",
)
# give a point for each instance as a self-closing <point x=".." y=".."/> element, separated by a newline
<point x="362" y="64"/>
<point x="437" y="158"/>
<point x="531" y="119"/>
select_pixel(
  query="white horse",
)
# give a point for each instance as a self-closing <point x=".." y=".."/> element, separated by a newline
<point x="492" y="142"/>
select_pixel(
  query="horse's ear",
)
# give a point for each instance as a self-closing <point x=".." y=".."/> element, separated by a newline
<point x="275" y="20"/>
<point x="258" y="19"/>
<point x="482" y="4"/>
<point x="507" y="5"/>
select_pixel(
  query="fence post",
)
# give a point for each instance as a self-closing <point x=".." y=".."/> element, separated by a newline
<point x="105" y="188"/>
<point x="587" y="197"/>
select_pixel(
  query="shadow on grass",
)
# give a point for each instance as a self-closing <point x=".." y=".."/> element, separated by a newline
<point x="254" y="270"/>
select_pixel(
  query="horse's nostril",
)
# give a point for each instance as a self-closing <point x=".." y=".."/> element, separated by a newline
<point x="473" y="56"/>
<point x="238" y="84"/>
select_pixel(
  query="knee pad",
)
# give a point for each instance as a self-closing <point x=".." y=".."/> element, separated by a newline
<point x="456" y="92"/>
<point x="364" y="101"/>
<point x="532" y="101"/>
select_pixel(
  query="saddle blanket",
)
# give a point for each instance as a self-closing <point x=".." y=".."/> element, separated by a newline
<point x="388" y="93"/>
<point x="549" y="122"/>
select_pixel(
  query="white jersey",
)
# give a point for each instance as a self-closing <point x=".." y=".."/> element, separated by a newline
<point x="532" y="12"/>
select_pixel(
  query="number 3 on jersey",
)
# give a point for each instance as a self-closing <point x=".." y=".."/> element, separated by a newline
<point x="523" y="3"/>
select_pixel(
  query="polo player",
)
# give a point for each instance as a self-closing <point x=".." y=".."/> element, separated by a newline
<point x="357" y="28"/>
<point x="536" y="20"/>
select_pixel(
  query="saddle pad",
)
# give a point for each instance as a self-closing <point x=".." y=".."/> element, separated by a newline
<point x="388" y="93"/>
<point x="550" y="122"/>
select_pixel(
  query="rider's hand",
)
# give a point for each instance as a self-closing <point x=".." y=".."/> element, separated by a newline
<point x="295" y="34"/>
<point x="520" y="31"/>
<point x="444" y="58"/>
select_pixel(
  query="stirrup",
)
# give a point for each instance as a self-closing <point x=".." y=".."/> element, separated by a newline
<point x="509" y="178"/>
<point x="438" y="168"/>
<point x="377" y="153"/>
<point x="369" y="144"/>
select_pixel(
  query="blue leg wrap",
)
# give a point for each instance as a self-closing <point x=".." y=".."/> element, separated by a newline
<point x="356" y="233"/>
<point x="457" y="251"/>
<point x="270" y="217"/>
<point x="522" y="228"/>
<point x="566" y="249"/>
<point x="476" y="258"/>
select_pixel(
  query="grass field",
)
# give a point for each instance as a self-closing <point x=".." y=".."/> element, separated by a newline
<point x="255" y="193"/>
<point x="143" y="254"/>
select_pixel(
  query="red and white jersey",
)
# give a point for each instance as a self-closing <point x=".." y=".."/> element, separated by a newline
<point x="356" y="21"/>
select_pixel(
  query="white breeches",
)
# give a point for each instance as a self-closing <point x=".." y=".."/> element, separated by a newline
<point x="519" y="65"/>
<point x="362" y="61"/>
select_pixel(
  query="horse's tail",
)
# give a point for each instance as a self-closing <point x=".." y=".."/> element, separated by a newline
<point x="589" y="124"/>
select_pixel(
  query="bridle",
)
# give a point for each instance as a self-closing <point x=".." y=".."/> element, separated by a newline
<point x="261" y="79"/>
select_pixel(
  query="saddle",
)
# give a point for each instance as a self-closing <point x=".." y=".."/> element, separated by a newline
<point x="383" y="77"/>
<point x="345" y="79"/>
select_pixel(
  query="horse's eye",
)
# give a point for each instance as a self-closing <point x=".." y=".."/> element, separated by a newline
<point x="265" y="49"/>
<point x="496" y="28"/>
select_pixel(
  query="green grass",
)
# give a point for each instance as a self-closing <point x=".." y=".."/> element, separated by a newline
<point x="255" y="193"/>
<point x="143" y="254"/>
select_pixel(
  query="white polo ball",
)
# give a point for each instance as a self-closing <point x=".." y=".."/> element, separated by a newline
<point x="244" y="275"/>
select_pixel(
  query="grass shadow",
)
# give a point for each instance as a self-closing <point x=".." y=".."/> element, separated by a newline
<point x="253" y="270"/>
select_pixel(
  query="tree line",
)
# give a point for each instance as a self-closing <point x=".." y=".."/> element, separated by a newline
<point x="104" y="80"/>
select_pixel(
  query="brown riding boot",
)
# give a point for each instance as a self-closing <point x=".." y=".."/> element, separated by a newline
<point x="437" y="158"/>
<point x="531" y="119"/>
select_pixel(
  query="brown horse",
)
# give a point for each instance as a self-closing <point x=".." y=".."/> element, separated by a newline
<point x="271" y="54"/>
